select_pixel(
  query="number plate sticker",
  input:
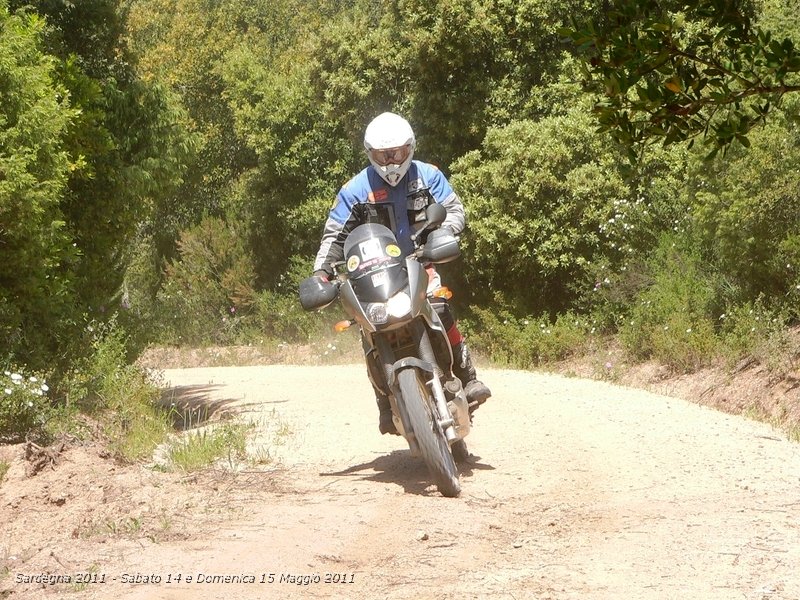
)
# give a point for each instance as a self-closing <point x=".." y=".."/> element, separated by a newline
<point x="370" y="249"/>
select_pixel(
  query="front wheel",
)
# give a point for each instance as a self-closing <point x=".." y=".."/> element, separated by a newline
<point x="428" y="433"/>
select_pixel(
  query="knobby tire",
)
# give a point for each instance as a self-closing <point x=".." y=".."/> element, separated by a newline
<point x="429" y="435"/>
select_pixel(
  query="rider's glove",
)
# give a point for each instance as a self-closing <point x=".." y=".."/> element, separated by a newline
<point x="323" y="274"/>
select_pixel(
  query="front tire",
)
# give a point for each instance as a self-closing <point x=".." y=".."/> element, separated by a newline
<point x="428" y="433"/>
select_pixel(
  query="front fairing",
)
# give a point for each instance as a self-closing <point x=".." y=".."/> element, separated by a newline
<point x="411" y="280"/>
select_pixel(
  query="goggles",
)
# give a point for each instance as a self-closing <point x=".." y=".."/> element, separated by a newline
<point x="390" y="156"/>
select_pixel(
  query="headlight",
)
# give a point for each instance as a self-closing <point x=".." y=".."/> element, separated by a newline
<point x="399" y="305"/>
<point x="376" y="312"/>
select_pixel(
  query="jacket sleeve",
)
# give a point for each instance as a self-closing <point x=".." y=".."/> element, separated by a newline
<point x="456" y="219"/>
<point x="345" y="216"/>
<point x="443" y="194"/>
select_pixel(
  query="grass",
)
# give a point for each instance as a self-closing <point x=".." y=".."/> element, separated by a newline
<point x="127" y="525"/>
<point x="79" y="587"/>
<point x="117" y="398"/>
<point x="199" y="449"/>
<point x="4" y="467"/>
<point x="136" y="435"/>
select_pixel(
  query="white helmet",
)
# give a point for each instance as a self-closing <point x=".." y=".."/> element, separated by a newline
<point x="390" y="142"/>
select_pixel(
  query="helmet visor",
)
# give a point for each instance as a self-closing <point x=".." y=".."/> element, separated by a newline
<point x="390" y="156"/>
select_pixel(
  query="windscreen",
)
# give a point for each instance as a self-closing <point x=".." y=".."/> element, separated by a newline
<point x="374" y="263"/>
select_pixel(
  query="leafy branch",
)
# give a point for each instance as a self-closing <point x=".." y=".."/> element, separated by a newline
<point x="673" y="71"/>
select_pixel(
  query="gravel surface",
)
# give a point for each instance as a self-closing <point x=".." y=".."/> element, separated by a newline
<point x="576" y="489"/>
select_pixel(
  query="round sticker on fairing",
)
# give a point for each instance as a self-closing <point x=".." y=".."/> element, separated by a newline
<point x="392" y="250"/>
<point x="353" y="262"/>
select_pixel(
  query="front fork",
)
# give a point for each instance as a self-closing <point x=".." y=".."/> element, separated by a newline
<point x="445" y="418"/>
<point x="426" y="362"/>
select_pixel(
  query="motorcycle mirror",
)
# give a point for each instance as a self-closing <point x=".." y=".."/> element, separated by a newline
<point x="435" y="215"/>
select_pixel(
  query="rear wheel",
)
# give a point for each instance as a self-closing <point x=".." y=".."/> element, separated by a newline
<point x="428" y="433"/>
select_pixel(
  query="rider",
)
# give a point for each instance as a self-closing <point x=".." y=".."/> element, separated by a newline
<point x="394" y="191"/>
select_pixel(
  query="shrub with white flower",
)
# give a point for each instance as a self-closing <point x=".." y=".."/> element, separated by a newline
<point x="23" y="402"/>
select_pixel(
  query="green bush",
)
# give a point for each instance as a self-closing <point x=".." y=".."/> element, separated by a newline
<point x="120" y="395"/>
<point x="208" y="289"/>
<point x="538" y="195"/>
<point x="747" y="210"/>
<point x="753" y="330"/>
<point x="24" y="403"/>
<point x="672" y="320"/>
<point x="527" y="342"/>
<point x="36" y="294"/>
<point x="278" y="316"/>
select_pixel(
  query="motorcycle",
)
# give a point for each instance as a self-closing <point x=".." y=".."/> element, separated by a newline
<point x="408" y="354"/>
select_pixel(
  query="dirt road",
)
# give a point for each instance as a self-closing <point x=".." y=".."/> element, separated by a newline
<point x="577" y="490"/>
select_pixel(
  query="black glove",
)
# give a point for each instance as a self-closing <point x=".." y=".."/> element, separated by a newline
<point x="323" y="274"/>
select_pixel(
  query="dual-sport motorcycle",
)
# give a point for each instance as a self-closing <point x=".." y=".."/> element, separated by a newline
<point x="408" y="354"/>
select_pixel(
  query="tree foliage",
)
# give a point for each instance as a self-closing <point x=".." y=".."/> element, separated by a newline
<point x="541" y="192"/>
<point x="36" y="289"/>
<point x="670" y="71"/>
<point x="209" y="286"/>
<point x="747" y="210"/>
<point x="90" y="150"/>
<point x="181" y="156"/>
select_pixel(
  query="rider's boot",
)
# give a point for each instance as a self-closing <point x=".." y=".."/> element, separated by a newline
<point x="476" y="391"/>
<point x="386" y="423"/>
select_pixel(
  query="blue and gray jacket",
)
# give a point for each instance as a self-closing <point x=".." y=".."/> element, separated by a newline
<point x="367" y="198"/>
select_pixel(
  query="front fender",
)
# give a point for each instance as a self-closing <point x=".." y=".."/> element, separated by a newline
<point x="410" y="362"/>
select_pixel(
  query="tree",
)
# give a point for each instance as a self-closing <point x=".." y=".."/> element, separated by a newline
<point x="36" y="287"/>
<point x="673" y="70"/>
<point x="87" y="150"/>
<point x="452" y="68"/>
<point x="543" y="200"/>
<point x="747" y="212"/>
<point x="128" y="140"/>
